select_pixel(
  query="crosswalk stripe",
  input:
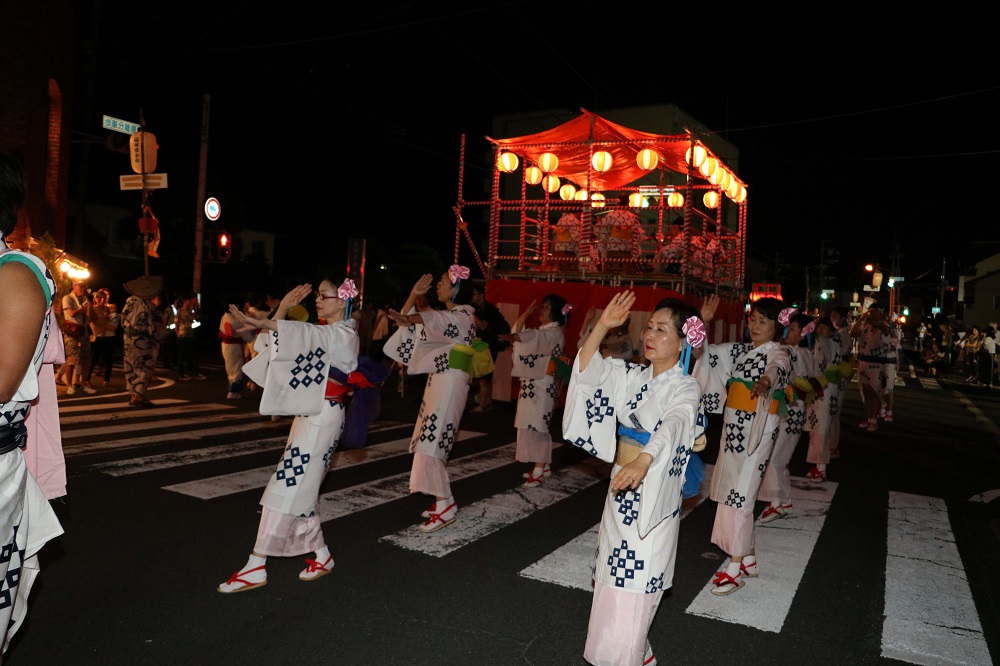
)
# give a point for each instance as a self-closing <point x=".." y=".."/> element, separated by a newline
<point x="485" y="517"/>
<point x="126" y="414"/>
<point x="105" y="406"/>
<point x="237" y="482"/>
<point x="145" y="440"/>
<point x="936" y="623"/>
<point x="107" y="429"/>
<point x="784" y="547"/>
<point x="572" y="565"/>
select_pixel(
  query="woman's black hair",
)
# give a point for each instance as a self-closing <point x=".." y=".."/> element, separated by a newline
<point x="824" y="321"/>
<point x="770" y="308"/>
<point x="681" y="312"/>
<point x="463" y="295"/>
<point x="556" y="305"/>
<point x="802" y="320"/>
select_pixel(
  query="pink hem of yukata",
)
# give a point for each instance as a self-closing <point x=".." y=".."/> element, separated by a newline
<point x="619" y="624"/>
<point x="429" y="476"/>
<point x="533" y="446"/>
<point x="281" y="535"/>
<point x="733" y="530"/>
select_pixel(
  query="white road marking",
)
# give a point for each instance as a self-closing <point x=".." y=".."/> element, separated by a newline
<point x="981" y="418"/>
<point x="486" y="516"/>
<point x="158" y="425"/>
<point x="237" y="482"/>
<point x="572" y="565"/>
<point x="188" y="457"/>
<point x="986" y="497"/>
<point x="144" y="440"/>
<point x="104" y="407"/>
<point x="930" y="616"/>
<point x="106" y="417"/>
<point x="784" y="547"/>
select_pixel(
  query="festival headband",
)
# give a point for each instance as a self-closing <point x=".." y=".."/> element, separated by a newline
<point x="456" y="274"/>
<point x="694" y="336"/>
<point x="347" y="291"/>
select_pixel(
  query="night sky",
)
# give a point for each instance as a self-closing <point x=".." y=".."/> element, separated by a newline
<point x="875" y="133"/>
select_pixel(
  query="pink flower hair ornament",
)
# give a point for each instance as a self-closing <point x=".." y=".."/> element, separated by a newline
<point x="809" y="328"/>
<point x="785" y="316"/>
<point x="694" y="331"/>
<point x="346" y="291"/>
<point x="566" y="309"/>
<point x="457" y="273"/>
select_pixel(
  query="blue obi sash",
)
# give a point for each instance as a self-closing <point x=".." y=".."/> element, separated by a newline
<point x="694" y="474"/>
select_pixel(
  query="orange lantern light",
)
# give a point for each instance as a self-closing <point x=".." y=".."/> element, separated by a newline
<point x="741" y="196"/>
<point x="647" y="159"/>
<point x="717" y="175"/>
<point x="550" y="183"/>
<point x="507" y="162"/>
<point x="727" y="178"/>
<point x="708" y="167"/>
<point x="581" y="195"/>
<point x="696" y="156"/>
<point x="734" y="189"/>
<point x="597" y="200"/>
<point x="675" y="199"/>
<point x="711" y="199"/>
<point x="548" y="162"/>
<point x="533" y="175"/>
<point x="636" y="200"/>
<point x="567" y="192"/>
<point x="601" y="161"/>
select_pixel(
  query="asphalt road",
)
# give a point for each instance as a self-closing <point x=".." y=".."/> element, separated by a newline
<point x="892" y="561"/>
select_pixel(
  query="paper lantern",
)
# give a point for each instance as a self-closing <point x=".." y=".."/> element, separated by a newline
<point x="708" y="167"/>
<point x="567" y="192"/>
<point x="727" y="178"/>
<point x="741" y="196"/>
<point x="507" y="162"/>
<point x="696" y="156"/>
<point x="581" y="195"/>
<point x="647" y="159"/>
<point x="711" y="199"/>
<point x="601" y="161"/>
<point x="734" y="189"/>
<point x="550" y="183"/>
<point x="717" y="175"/>
<point x="597" y="200"/>
<point x="533" y="175"/>
<point x="675" y="199"/>
<point x="548" y="162"/>
<point x="636" y="200"/>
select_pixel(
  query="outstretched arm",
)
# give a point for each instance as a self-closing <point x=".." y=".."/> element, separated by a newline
<point x="613" y="316"/>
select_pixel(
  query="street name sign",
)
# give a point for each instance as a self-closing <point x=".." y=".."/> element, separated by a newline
<point x="154" y="181"/>
<point x="119" y="125"/>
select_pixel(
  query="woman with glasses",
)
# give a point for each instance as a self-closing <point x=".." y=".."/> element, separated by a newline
<point x="295" y="364"/>
<point x="439" y="350"/>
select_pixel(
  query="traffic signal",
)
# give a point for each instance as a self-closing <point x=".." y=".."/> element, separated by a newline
<point x="223" y="245"/>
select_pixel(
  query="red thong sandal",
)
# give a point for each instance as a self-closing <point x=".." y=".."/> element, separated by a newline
<point x="534" y="480"/>
<point x="438" y="520"/>
<point x="748" y="570"/>
<point x="315" y="569"/>
<point x="244" y="585"/>
<point x="722" y="581"/>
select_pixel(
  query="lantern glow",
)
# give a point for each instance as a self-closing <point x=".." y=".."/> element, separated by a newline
<point x="601" y="161"/>
<point x="533" y="175"/>
<point x="696" y="156"/>
<point x="567" y="192"/>
<point x="507" y="162"/>
<point x="647" y="159"/>
<point x="711" y="199"/>
<point x="550" y="183"/>
<point x="675" y="199"/>
<point x="597" y="200"/>
<point x="548" y="162"/>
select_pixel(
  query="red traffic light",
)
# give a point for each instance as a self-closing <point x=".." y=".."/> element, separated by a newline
<point x="222" y="246"/>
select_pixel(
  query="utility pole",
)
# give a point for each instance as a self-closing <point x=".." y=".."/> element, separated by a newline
<point x="199" y="220"/>
<point x="943" y="284"/>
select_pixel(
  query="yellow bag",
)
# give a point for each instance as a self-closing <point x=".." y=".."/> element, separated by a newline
<point x="482" y="360"/>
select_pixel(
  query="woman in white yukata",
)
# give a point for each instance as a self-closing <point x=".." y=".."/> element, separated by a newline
<point x="533" y="347"/>
<point x="442" y="351"/>
<point x="742" y="372"/>
<point x="776" y="486"/>
<point x="643" y="419"/>
<point x="293" y="364"/>
<point x="821" y="414"/>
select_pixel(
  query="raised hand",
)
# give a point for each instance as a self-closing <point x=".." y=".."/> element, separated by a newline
<point x="295" y="296"/>
<point x="617" y="311"/>
<point x="423" y="285"/>
<point x="709" y="307"/>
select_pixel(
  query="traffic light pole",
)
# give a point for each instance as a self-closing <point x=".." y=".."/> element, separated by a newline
<point x="199" y="224"/>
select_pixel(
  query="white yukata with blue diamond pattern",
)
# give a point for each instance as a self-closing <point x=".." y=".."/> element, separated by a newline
<point x="637" y="540"/>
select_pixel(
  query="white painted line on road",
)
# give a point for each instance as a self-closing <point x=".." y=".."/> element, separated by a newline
<point x="237" y="482"/>
<point x="784" y="547"/>
<point x="572" y="565"/>
<point x="188" y="457"/>
<point x="144" y="440"/>
<point x="981" y="418"/>
<point x="930" y="616"/>
<point x="986" y="497"/>
<point x="106" y="417"/>
<point x="104" y="407"/>
<point x="489" y="515"/>
<point x="159" y="425"/>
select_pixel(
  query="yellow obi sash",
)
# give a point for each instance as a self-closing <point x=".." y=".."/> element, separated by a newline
<point x="738" y="397"/>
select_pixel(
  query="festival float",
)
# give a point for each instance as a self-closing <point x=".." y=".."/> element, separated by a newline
<point x="590" y="208"/>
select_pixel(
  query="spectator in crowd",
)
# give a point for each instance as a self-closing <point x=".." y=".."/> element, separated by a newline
<point x="490" y="325"/>
<point x="76" y="337"/>
<point x="167" y="350"/>
<point x="103" y="327"/>
<point x="188" y="361"/>
<point x="233" y="337"/>
<point x="987" y="354"/>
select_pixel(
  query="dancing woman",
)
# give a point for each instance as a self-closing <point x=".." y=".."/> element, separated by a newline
<point x="293" y="364"/>
<point x="643" y="419"/>
<point x="533" y="347"/>
<point x="436" y="351"/>
<point x="742" y="372"/>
